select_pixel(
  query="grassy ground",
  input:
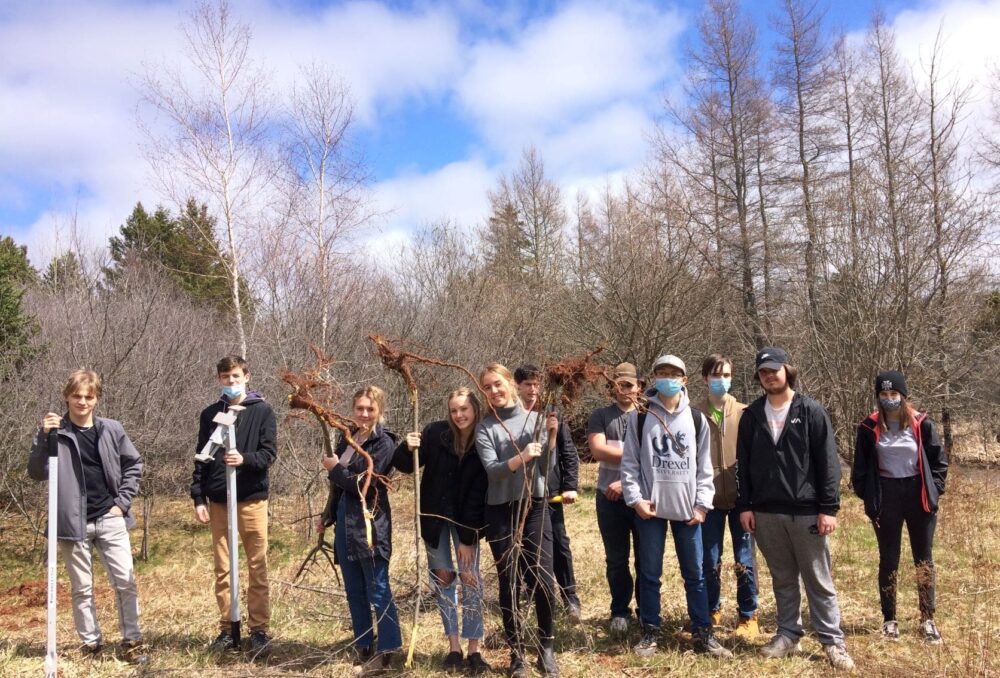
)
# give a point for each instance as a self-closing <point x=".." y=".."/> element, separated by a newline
<point x="312" y="630"/>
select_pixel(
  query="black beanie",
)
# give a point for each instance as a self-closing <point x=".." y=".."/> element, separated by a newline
<point x="891" y="380"/>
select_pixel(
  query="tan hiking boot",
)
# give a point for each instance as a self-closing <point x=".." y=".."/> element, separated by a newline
<point x="748" y="628"/>
<point x="716" y="617"/>
<point x="838" y="658"/>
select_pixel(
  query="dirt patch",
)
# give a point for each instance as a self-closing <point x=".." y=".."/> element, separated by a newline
<point x="31" y="596"/>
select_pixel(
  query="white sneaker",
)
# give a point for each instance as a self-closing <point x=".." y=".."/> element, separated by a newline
<point x="618" y="626"/>
<point x="890" y="630"/>
<point x="780" y="646"/>
<point x="928" y="629"/>
<point x="838" y="658"/>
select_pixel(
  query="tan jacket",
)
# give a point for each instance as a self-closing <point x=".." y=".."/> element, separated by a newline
<point x="724" y="449"/>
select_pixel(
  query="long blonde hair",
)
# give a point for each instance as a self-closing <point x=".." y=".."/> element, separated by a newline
<point x="505" y="374"/>
<point x="456" y="435"/>
<point x="376" y="395"/>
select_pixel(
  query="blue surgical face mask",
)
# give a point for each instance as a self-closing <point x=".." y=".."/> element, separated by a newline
<point x="891" y="405"/>
<point x="234" y="391"/>
<point x="668" y="386"/>
<point x="719" y="386"/>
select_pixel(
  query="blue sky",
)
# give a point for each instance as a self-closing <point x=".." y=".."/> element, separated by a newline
<point x="447" y="93"/>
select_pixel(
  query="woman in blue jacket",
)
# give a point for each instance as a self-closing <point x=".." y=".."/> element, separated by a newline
<point x="899" y="471"/>
<point x="364" y="566"/>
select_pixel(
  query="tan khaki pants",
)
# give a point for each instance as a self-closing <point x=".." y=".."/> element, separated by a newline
<point x="251" y="522"/>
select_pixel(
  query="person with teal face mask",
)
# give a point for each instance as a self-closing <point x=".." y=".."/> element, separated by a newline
<point x="666" y="476"/>
<point x="724" y="413"/>
<point x="256" y="450"/>
<point x="900" y="467"/>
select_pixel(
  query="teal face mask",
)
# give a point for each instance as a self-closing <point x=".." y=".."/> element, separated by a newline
<point x="668" y="386"/>
<point x="719" y="386"/>
<point x="234" y="391"/>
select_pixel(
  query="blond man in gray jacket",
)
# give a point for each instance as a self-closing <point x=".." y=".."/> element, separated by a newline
<point x="99" y="471"/>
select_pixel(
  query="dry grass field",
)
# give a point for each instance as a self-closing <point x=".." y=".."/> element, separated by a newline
<point x="311" y="626"/>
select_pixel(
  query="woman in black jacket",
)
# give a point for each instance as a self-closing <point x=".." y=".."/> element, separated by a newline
<point x="364" y="565"/>
<point x="899" y="471"/>
<point x="447" y="496"/>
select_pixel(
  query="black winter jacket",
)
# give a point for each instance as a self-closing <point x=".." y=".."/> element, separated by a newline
<point x="442" y="481"/>
<point x="932" y="464"/>
<point x="471" y="505"/>
<point x="566" y="470"/>
<point x="346" y="482"/>
<point x="256" y="436"/>
<point x="800" y="475"/>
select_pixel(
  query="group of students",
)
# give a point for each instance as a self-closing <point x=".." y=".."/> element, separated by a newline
<point x="503" y="469"/>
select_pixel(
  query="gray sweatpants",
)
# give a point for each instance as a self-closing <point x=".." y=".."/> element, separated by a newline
<point x="791" y="552"/>
<point x="109" y="536"/>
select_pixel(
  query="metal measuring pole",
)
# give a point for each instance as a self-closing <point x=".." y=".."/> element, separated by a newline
<point x="51" y="661"/>
<point x="233" y="534"/>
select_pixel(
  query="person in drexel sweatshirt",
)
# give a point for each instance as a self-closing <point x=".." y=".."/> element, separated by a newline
<point x="256" y="430"/>
<point x="666" y="472"/>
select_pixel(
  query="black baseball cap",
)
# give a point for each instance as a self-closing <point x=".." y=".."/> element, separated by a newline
<point x="771" y="358"/>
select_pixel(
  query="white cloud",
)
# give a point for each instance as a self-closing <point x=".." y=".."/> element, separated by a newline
<point x="68" y="94"/>
<point x="456" y="191"/>
<point x="583" y="58"/>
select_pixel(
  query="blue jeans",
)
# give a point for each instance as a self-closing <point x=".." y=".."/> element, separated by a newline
<point x="366" y="583"/>
<point x="440" y="557"/>
<point x="712" y="536"/>
<point x="615" y="520"/>
<point x="687" y="544"/>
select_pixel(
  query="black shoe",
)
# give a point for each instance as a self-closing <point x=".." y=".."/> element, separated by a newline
<point x="91" y="650"/>
<point x="222" y="643"/>
<point x="260" y="643"/>
<point x="517" y="669"/>
<point x="134" y="652"/>
<point x="476" y="665"/>
<point x="705" y="643"/>
<point x="453" y="662"/>
<point x="547" y="660"/>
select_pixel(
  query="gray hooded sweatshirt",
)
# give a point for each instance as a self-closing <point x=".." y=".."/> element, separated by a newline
<point x="673" y="472"/>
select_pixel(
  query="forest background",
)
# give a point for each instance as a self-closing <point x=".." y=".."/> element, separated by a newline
<point x="824" y="195"/>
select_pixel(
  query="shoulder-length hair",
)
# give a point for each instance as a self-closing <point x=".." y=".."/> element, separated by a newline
<point x="456" y="437"/>
<point x="376" y="395"/>
<point x="907" y="414"/>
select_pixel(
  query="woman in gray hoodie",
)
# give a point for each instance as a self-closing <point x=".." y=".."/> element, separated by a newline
<point x="667" y="478"/>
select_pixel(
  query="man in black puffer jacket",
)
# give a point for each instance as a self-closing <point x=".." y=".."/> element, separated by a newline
<point x="256" y="449"/>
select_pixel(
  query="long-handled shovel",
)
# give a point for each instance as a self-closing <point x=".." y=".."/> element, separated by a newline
<point x="51" y="662"/>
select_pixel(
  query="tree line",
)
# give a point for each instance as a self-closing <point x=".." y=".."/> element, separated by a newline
<point x="829" y="198"/>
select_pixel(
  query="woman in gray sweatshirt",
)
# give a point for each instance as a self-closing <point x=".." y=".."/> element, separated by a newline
<point x="510" y="442"/>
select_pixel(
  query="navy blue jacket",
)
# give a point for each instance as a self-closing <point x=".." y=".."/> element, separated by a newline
<point x="347" y="481"/>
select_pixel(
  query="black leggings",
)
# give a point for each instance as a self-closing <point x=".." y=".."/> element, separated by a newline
<point x="901" y="504"/>
<point x="530" y="565"/>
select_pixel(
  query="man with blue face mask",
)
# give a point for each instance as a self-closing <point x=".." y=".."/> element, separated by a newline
<point x="256" y="450"/>
<point x="724" y="413"/>
<point x="666" y="476"/>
